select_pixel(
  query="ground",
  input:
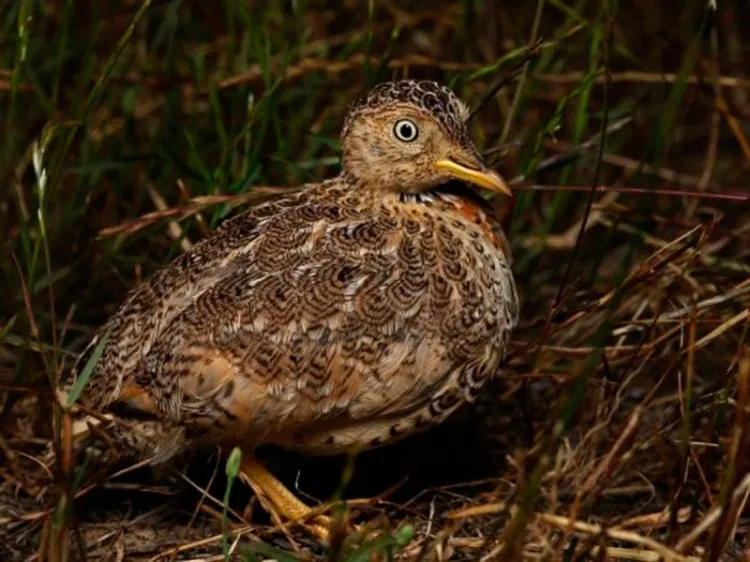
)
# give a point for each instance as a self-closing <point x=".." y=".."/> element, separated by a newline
<point x="617" y="428"/>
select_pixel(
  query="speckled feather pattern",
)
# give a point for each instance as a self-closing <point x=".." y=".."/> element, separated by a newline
<point x="331" y="318"/>
<point x="440" y="102"/>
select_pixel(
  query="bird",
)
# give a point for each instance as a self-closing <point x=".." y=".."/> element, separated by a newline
<point x="342" y="316"/>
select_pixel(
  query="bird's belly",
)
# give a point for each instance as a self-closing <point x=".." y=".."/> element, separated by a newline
<point x="424" y="405"/>
<point x="347" y="435"/>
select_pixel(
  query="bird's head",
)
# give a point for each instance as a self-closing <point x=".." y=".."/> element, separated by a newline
<point x="410" y="136"/>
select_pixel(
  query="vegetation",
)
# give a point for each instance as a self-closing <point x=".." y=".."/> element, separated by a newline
<point x="619" y="429"/>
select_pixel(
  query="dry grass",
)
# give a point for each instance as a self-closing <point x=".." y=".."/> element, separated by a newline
<point x="619" y="428"/>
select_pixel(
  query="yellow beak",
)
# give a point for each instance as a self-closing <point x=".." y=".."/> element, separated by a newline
<point x="485" y="178"/>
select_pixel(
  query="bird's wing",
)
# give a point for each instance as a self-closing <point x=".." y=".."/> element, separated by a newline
<point x="324" y="317"/>
<point x="147" y="311"/>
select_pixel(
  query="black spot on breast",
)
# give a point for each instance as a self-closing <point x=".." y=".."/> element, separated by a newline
<point x="332" y="213"/>
<point x="346" y="274"/>
<point x="324" y="337"/>
<point x="228" y="389"/>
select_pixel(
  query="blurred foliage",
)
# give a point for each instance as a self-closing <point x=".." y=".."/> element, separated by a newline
<point x="111" y="111"/>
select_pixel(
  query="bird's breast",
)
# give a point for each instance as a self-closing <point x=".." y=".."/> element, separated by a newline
<point x="462" y="246"/>
<point x="477" y="212"/>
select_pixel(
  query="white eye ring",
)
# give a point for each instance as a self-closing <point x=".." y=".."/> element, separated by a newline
<point x="406" y="130"/>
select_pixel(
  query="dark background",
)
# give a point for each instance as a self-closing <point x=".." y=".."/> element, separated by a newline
<point x="625" y="392"/>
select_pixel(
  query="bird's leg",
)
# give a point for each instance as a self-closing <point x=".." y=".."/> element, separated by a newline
<point x="289" y="506"/>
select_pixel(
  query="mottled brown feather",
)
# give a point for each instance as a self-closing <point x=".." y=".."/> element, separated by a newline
<point x="349" y="314"/>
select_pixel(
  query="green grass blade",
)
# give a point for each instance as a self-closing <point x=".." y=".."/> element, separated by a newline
<point x="88" y="368"/>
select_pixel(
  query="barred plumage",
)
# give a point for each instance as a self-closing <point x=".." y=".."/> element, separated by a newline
<point x="349" y="314"/>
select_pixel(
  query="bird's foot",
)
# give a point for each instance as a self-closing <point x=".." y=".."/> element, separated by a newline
<point x="279" y="500"/>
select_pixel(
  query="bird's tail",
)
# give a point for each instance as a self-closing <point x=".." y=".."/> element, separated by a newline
<point x="108" y="439"/>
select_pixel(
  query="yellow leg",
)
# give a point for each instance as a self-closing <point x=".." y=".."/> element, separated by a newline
<point x="269" y="488"/>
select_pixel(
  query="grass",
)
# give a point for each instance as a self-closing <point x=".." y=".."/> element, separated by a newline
<point x="619" y="427"/>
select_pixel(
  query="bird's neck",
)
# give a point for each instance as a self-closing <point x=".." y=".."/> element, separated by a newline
<point x="453" y="199"/>
<point x="459" y="202"/>
<point x="457" y="199"/>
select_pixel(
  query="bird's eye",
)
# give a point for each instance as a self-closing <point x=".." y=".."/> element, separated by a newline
<point x="406" y="130"/>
